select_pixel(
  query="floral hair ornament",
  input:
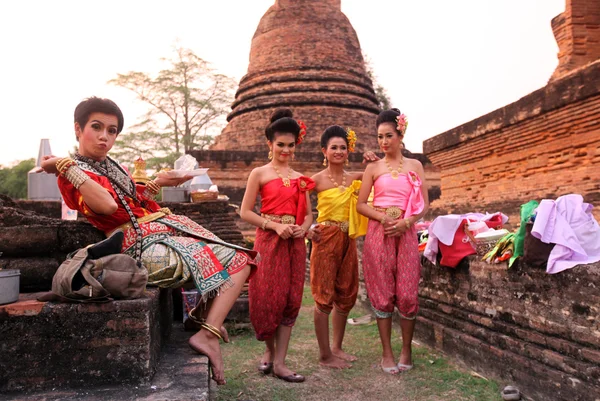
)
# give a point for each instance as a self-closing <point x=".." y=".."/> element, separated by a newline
<point x="402" y="123"/>
<point x="352" y="138"/>
<point x="302" y="133"/>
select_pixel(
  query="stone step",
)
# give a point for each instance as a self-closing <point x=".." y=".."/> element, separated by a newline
<point x="182" y="374"/>
<point x="57" y="345"/>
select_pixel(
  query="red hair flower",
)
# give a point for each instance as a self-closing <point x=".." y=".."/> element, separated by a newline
<point x="302" y="133"/>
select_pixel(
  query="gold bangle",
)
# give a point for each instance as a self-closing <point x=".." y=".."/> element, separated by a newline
<point x="382" y="221"/>
<point x="407" y="222"/>
<point x="153" y="187"/>
<point x="264" y="224"/>
<point x="62" y="165"/>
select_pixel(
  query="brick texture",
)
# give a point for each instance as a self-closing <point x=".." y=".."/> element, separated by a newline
<point x="304" y="55"/>
<point x="577" y="32"/>
<point x="522" y="326"/>
<point x="544" y="145"/>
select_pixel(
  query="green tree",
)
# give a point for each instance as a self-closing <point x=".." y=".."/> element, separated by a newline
<point x="186" y="100"/>
<point x="13" y="180"/>
<point x="383" y="98"/>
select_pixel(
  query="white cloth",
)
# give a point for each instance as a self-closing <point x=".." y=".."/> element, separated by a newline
<point x="567" y="222"/>
<point x="444" y="228"/>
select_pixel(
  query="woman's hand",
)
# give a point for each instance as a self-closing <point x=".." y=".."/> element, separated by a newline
<point x="49" y="164"/>
<point x="172" y="181"/>
<point x="298" y="231"/>
<point x="314" y="234"/>
<point x="369" y="156"/>
<point x="284" y="230"/>
<point x="395" y="228"/>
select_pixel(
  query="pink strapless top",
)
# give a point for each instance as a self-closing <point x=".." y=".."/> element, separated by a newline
<point x="404" y="192"/>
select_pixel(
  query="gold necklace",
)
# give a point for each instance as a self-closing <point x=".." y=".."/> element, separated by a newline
<point x="340" y="187"/>
<point x="286" y="181"/>
<point x="395" y="173"/>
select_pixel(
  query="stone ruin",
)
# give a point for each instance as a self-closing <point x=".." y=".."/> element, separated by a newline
<point x="522" y="326"/>
<point x="305" y="55"/>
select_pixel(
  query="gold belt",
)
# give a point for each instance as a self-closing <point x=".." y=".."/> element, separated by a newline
<point x="343" y="225"/>
<point x="284" y="219"/>
<point x="393" y="211"/>
<point x="162" y="212"/>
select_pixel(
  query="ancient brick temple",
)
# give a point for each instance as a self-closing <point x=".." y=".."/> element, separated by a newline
<point x="305" y="55"/>
<point x="544" y="145"/>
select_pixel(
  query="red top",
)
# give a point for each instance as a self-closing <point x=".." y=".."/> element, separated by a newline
<point x="278" y="199"/>
<point x="107" y="223"/>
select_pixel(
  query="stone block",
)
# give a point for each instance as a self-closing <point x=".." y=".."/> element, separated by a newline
<point x="48" y="345"/>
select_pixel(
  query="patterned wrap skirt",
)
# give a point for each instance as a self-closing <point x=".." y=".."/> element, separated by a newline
<point x="392" y="270"/>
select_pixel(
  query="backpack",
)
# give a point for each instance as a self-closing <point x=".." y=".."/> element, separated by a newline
<point x="98" y="273"/>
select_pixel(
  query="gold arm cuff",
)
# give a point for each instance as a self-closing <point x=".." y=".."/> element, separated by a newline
<point x="76" y="176"/>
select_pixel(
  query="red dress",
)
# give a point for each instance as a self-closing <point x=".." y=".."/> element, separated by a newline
<point x="275" y="290"/>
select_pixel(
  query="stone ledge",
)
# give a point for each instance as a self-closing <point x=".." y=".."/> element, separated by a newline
<point x="49" y="345"/>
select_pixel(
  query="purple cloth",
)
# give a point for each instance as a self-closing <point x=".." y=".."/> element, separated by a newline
<point x="568" y="222"/>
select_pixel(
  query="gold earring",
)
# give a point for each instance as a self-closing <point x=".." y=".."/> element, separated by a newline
<point x="293" y="156"/>
<point x="325" y="161"/>
<point x="270" y="155"/>
<point x="347" y="162"/>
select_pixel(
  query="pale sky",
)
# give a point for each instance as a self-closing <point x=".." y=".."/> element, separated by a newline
<point x="443" y="62"/>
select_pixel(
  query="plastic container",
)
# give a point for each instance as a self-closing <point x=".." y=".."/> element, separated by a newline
<point x="9" y="286"/>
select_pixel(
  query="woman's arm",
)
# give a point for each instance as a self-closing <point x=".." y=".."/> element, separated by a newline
<point x="365" y="189"/>
<point x="95" y="196"/>
<point x="247" y="209"/>
<point x="302" y="230"/>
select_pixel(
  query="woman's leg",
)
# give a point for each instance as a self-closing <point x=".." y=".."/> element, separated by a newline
<point x="207" y="343"/>
<point x="339" y="329"/>
<point x="408" y="329"/>
<point x="326" y="356"/>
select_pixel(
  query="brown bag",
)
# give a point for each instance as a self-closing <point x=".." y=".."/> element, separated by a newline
<point x="98" y="273"/>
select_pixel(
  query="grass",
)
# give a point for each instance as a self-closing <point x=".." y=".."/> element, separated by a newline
<point x="433" y="377"/>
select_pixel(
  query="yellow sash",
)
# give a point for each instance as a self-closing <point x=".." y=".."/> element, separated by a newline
<point x="336" y="205"/>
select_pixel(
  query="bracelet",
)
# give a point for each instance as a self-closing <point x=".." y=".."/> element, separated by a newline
<point x="264" y="224"/>
<point x="382" y="221"/>
<point x="407" y="222"/>
<point x="62" y="165"/>
<point x="76" y="176"/>
<point x="153" y="187"/>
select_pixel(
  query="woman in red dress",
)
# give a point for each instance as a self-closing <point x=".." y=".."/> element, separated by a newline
<point x="173" y="248"/>
<point x="275" y="291"/>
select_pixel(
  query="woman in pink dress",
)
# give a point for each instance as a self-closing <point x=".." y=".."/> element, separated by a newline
<point x="275" y="291"/>
<point x="391" y="262"/>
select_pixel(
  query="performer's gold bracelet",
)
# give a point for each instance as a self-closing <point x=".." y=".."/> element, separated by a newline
<point x="264" y="224"/>
<point x="76" y="176"/>
<point x="407" y="222"/>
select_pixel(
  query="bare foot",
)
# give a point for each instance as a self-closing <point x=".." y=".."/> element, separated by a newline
<point x="224" y="334"/>
<point x="342" y="355"/>
<point x="405" y="358"/>
<point x="207" y="344"/>
<point x="333" y="362"/>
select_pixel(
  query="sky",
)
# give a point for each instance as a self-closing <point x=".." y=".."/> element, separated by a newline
<point x="442" y="62"/>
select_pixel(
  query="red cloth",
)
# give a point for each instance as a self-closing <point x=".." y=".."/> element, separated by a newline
<point x="275" y="290"/>
<point x="278" y="199"/>
<point x="74" y="200"/>
<point x="461" y="246"/>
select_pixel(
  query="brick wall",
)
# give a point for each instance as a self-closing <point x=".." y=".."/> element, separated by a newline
<point x="577" y="32"/>
<point x="520" y="326"/>
<point x="544" y="145"/>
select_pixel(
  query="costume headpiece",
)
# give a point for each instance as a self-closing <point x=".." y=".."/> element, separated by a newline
<point x="402" y="123"/>
<point x="352" y="138"/>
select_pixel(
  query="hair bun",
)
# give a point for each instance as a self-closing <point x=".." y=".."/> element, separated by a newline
<point x="396" y="110"/>
<point x="281" y="113"/>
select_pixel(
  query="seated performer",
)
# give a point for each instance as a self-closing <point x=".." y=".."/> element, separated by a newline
<point x="275" y="291"/>
<point x="391" y="262"/>
<point x="334" y="259"/>
<point x="173" y="248"/>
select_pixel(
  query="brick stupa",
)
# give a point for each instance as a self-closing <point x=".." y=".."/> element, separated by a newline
<point x="305" y="55"/>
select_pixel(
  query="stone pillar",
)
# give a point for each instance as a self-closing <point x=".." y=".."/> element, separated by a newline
<point x="577" y="32"/>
